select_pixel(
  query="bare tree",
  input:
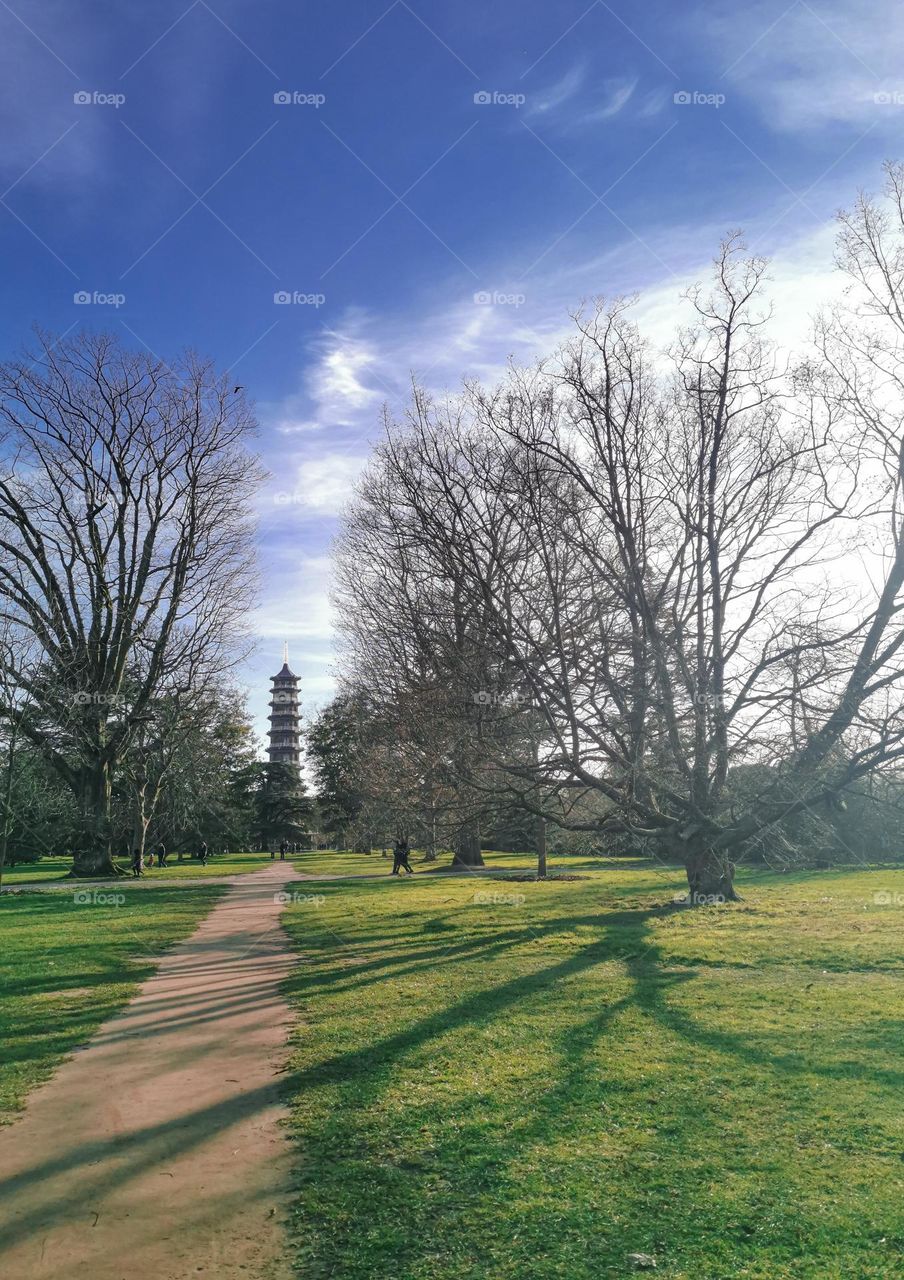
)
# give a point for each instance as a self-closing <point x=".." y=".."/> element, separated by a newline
<point x="659" y="563"/>
<point x="126" y="540"/>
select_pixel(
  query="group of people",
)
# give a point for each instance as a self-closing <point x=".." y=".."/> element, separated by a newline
<point x="141" y="860"/>
<point x="400" y="855"/>
<point x="285" y="847"/>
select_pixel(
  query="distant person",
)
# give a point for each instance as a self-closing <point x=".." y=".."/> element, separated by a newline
<point x="137" y="862"/>
<point x="283" y="850"/>
<point x="400" y="858"/>
<point x="203" y="853"/>
<point x="162" y="854"/>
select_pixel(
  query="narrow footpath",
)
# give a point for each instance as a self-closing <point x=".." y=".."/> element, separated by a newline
<point x="156" y="1152"/>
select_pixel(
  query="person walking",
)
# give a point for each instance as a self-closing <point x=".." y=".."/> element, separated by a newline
<point x="137" y="862"/>
<point x="283" y="849"/>
<point x="400" y="857"/>
<point x="161" y="854"/>
<point x="202" y="853"/>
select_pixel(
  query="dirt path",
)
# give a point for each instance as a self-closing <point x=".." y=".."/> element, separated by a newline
<point x="156" y="1152"/>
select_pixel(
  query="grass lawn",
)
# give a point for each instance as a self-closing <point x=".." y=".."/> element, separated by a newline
<point x="342" y="862"/>
<point x="226" y="864"/>
<point x="496" y="1079"/>
<point x="67" y="965"/>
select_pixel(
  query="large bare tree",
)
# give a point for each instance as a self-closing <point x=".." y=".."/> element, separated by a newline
<point x="676" y="568"/>
<point x="126" y="546"/>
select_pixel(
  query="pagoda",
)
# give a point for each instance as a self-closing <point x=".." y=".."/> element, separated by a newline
<point x="284" y="716"/>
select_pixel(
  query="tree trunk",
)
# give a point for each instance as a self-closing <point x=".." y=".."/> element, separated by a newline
<point x="7" y="803"/>
<point x="541" y="849"/>
<point x="93" y="856"/>
<point x="430" y="855"/>
<point x="710" y="878"/>
<point x="140" y="817"/>
<point x="467" y="847"/>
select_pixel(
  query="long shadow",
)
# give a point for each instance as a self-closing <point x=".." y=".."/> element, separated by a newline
<point x="107" y="1163"/>
<point x="486" y="1003"/>
<point x="370" y="1071"/>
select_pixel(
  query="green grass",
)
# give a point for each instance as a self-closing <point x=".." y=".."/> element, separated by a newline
<point x="541" y="1087"/>
<point x="226" y="864"/>
<point x="342" y="862"/>
<point x="66" y="965"/>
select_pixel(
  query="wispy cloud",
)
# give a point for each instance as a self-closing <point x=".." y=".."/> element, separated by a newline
<point x="618" y="94"/>
<point x="440" y="346"/>
<point x="579" y="99"/>
<point x="545" y="102"/>
<point x="325" y="483"/>
<point x="812" y="66"/>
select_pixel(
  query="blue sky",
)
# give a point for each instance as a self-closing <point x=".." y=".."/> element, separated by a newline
<point x="444" y="183"/>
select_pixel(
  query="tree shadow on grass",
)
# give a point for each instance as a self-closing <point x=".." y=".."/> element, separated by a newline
<point x="348" y="1161"/>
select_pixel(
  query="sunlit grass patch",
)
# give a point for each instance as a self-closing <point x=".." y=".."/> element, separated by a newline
<point x="540" y="1088"/>
<point x="70" y="960"/>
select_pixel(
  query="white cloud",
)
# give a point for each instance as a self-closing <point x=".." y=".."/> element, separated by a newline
<point x="574" y="102"/>
<point x="296" y="604"/>
<point x="325" y="483"/>
<point x="469" y="339"/>
<point x="811" y="66"/>
<point x="618" y="94"/>
<point x="543" y="102"/>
